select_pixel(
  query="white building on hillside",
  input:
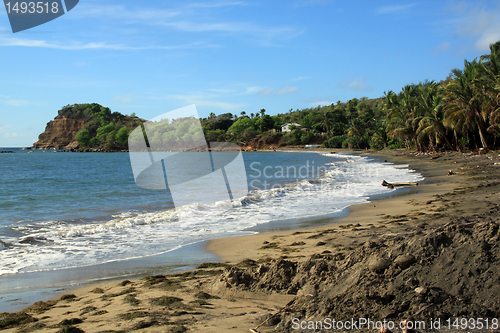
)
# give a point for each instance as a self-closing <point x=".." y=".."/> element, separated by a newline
<point x="288" y="127"/>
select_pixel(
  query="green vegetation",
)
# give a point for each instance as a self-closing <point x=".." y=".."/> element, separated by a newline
<point x="103" y="128"/>
<point x="459" y="113"/>
<point x="10" y="320"/>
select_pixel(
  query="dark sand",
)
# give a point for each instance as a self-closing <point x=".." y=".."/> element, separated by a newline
<point x="431" y="253"/>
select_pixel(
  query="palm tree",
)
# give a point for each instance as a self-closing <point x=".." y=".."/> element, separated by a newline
<point x="402" y="117"/>
<point x="466" y="102"/>
<point x="326" y="121"/>
<point x="430" y="125"/>
<point x="262" y="112"/>
<point x="489" y="69"/>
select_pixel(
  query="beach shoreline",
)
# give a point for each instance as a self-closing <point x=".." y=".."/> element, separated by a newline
<point x="435" y="176"/>
<point x="231" y="308"/>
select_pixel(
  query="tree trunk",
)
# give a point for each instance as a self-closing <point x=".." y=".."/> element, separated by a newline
<point x="456" y="140"/>
<point x="482" y="135"/>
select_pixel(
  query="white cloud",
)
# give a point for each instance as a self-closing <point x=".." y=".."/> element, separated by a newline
<point x="322" y="103"/>
<point x="395" y="9"/>
<point x="45" y="44"/>
<point x="287" y="90"/>
<point x="206" y="100"/>
<point x="190" y="18"/>
<point x="265" y="33"/>
<point x="479" y="23"/>
<point x="266" y="92"/>
<point x="300" y="78"/>
<point x="301" y="3"/>
<point x="81" y="63"/>
<point x="73" y="46"/>
<point x="358" y="83"/>
<point x="120" y="12"/>
<point x="7" y="100"/>
<point x="128" y="98"/>
<point x="221" y="90"/>
<point x="441" y="48"/>
<point x="274" y="92"/>
<point x="216" y="4"/>
<point x="253" y="90"/>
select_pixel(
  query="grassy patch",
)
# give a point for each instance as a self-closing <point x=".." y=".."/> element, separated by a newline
<point x="316" y="236"/>
<point x="10" y="320"/>
<point x="70" y="329"/>
<point x="124" y="292"/>
<point x="99" y="313"/>
<point x="143" y="324"/>
<point x="41" y="306"/>
<point x="288" y="250"/>
<point x="247" y="263"/>
<point x="133" y="315"/>
<point x="264" y="260"/>
<point x="166" y="301"/>
<point x="87" y="309"/>
<point x="178" y="329"/>
<point x="124" y="283"/>
<point x="270" y="246"/>
<point x="199" y="272"/>
<point x="70" y="322"/>
<point x="297" y="244"/>
<point x="162" y="282"/>
<point x="182" y="313"/>
<point x="203" y="295"/>
<point x="199" y="302"/>
<point x="67" y="297"/>
<point x="131" y="299"/>
<point x="152" y="280"/>
<point x="213" y="265"/>
<point x="31" y="328"/>
<point x="97" y="291"/>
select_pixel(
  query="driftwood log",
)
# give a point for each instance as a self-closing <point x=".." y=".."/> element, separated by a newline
<point x="393" y="185"/>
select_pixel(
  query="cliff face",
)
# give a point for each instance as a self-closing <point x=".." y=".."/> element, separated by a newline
<point x="99" y="128"/>
<point x="60" y="133"/>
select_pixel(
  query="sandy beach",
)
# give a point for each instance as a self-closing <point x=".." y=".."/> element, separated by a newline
<point x="430" y="253"/>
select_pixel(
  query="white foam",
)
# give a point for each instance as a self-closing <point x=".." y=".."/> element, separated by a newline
<point x="351" y="180"/>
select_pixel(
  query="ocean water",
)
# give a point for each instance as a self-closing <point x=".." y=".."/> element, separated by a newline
<point x="63" y="210"/>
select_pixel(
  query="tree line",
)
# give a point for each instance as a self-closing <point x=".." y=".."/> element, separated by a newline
<point x="459" y="113"/>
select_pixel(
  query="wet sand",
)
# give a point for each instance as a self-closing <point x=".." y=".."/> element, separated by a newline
<point x="261" y="274"/>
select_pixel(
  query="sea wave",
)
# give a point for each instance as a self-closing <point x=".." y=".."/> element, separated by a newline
<point x="49" y="245"/>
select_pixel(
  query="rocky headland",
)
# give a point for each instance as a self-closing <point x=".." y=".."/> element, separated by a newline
<point x="87" y="127"/>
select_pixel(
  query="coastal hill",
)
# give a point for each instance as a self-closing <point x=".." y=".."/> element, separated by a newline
<point x="460" y="113"/>
<point x="85" y="126"/>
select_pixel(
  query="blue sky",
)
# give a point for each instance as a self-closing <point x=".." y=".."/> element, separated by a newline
<point x="150" y="57"/>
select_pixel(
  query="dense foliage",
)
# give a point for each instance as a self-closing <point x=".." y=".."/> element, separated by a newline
<point x="103" y="128"/>
<point x="460" y="113"/>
